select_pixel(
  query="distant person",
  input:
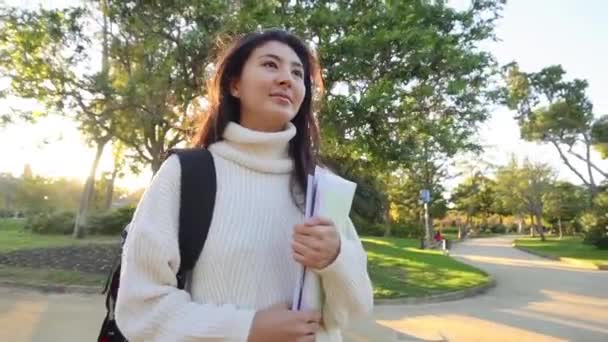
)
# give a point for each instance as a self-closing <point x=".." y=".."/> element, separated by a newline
<point x="438" y="237"/>
<point x="263" y="137"/>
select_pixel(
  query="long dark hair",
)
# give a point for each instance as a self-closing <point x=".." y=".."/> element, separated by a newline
<point x="224" y="108"/>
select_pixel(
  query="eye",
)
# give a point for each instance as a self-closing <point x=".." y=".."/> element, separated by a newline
<point x="270" y="64"/>
<point x="298" y="73"/>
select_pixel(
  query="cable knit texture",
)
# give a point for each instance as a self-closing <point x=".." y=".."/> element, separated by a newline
<point x="246" y="264"/>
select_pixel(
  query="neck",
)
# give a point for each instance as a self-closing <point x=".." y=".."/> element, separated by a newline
<point x="262" y="126"/>
<point x="257" y="150"/>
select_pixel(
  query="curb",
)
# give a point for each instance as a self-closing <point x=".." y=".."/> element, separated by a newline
<point x="569" y="261"/>
<point x="443" y="297"/>
<point x="53" y="288"/>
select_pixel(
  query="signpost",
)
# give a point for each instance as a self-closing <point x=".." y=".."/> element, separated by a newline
<point x="425" y="197"/>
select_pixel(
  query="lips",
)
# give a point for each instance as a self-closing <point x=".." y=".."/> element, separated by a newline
<point x="282" y="95"/>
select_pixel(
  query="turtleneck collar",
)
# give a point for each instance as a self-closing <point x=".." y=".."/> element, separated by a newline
<point x="261" y="151"/>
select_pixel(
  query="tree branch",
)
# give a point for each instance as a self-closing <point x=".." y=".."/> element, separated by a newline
<point x="567" y="162"/>
<point x="604" y="174"/>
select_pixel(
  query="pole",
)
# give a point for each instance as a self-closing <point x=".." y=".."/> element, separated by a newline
<point x="427" y="233"/>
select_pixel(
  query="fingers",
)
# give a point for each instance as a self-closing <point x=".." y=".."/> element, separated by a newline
<point x="310" y="316"/>
<point x="317" y="231"/>
<point x="303" y="243"/>
<point x="318" y="221"/>
<point x="308" y="330"/>
<point x="310" y="323"/>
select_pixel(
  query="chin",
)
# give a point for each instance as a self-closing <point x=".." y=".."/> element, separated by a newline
<point x="281" y="118"/>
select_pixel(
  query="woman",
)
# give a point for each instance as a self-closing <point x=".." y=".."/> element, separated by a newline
<point x="263" y="137"/>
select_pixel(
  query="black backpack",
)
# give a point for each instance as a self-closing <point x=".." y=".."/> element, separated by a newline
<point x="197" y="200"/>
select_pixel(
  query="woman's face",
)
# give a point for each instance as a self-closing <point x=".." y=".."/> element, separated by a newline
<point x="271" y="87"/>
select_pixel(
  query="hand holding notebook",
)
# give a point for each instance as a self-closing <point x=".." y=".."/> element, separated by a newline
<point x="329" y="197"/>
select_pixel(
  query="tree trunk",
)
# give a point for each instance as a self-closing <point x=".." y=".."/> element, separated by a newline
<point x="110" y="190"/>
<point x="8" y="206"/>
<point x="156" y="163"/>
<point x="559" y="225"/>
<point x="532" y="225"/>
<point x="387" y="230"/>
<point x="539" y="226"/>
<point x="387" y="217"/>
<point x="520" y="227"/>
<point x="87" y="194"/>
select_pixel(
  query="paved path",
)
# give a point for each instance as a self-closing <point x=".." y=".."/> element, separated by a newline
<point x="535" y="300"/>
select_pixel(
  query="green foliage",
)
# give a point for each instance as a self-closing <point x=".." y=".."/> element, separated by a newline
<point x="110" y="223"/>
<point x="563" y="203"/>
<point x="475" y="196"/>
<point x="37" y="194"/>
<point x="602" y="243"/>
<point x="51" y="223"/>
<point x="599" y="135"/>
<point x="498" y="229"/>
<point x="13" y="237"/>
<point x="521" y="188"/>
<point x="553" y="110"/>
<point x="594" y="222"/>
<point x="410" y="230"/>
<point x="406" y="84"/>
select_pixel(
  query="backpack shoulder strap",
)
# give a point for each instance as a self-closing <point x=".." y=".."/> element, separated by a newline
<point x="197" y="201"/>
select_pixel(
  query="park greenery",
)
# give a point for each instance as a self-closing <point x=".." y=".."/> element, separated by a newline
<point x="406" y="88"/>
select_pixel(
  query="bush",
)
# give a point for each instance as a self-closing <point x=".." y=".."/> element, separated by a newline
<point x="602" y="243"/>
<point x="52" y="223"/>
<point x="401" y="230"/>
<point x="110" y="223"/>
<point x="498" y="229"/>
<point x="407" y="230"/>
<point x="594" y="226"/>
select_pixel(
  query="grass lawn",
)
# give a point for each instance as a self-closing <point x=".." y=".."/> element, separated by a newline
<point x="399" y="269"/>
<point x="50" y="276"/>
<point x="568" y="247"/>
<point x="13" y="237"/>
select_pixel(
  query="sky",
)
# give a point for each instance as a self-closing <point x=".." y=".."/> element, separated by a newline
<point x="535" y="33"/>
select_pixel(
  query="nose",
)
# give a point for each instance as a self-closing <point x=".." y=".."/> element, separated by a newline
<point x="284" y="77"/>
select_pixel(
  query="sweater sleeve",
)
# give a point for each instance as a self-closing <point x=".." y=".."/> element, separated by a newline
<point x="346" y="283"/>
<point x="149" y="306"/>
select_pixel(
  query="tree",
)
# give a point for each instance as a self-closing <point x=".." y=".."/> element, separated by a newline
<point x="563" y="203"/>
<point x="599" y="135"/>
<point x="475" y="196"/>
<point x="43" y="53"/>
<point x="522" y="190"/>
<point x="553" y="110"/>
<point x="406" y="83"/>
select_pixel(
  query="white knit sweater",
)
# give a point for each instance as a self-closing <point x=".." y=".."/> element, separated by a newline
<point x="246" y="264"/>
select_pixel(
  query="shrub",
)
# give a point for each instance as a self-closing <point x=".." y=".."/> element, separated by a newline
<point x="51" y="223"/>
<point x="594" y="228"/>
<point x="498" y="229"/>
<point x="407" y="230"/>
<point x="110" y="223"/>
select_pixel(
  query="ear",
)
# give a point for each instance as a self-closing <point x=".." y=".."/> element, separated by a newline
<point x="234" y="88"/>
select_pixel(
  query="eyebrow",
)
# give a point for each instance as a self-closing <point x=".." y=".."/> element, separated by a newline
<point x="297" y="64"/>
